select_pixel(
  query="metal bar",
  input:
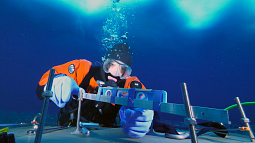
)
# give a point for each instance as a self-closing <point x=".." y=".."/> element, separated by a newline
<point x="77" y="131"/>
<point x="48" y="130"/>
<point x="246" y="120"/>
<point x="189" y="113"/>
<point x="47" y="94"/>
<point x="78" y="117"/>
<point x="204" y="113"/>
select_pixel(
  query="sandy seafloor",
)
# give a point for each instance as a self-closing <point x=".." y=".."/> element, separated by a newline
<point x="51" y="119"/>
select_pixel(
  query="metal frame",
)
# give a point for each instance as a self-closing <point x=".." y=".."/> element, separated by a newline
<point x="147" y="99"/>
<point x="150" y="99"/>
<point x="157" y="100"/>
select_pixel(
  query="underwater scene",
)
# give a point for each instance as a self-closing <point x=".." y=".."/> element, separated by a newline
<point x="207" y="44"/>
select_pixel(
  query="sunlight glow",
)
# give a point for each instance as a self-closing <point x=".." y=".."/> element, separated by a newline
<point x="96" y="6"/>
<point x="88" y="6"/>
<point x="201" y="13"/>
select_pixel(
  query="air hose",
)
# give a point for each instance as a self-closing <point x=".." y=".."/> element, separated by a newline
<point x="235" y="105"/>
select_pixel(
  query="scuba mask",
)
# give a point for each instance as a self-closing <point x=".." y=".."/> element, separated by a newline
<point x="116" y="68"/>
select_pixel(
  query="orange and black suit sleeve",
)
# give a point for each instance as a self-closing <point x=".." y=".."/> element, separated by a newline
<point x="130" y="79"/>
<point x="76" y="69"/>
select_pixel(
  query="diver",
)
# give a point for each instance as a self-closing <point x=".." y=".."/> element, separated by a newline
<point x="115" y="72"/>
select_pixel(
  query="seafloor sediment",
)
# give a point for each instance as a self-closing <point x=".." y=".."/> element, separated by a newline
<point x="51" y="119"/>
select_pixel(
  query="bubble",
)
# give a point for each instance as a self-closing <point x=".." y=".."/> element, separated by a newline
<point x="115" y="27"/>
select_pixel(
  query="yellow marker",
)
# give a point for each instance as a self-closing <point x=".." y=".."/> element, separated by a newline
<point x="244" y="128"/>
<point x="6" y="129"/>
<point x="70" y="123"/>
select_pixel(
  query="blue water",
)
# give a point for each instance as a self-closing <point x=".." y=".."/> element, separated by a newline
<point x="214" y="57"/>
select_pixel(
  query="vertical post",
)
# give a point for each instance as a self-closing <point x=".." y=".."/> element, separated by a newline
<point x="46" y="94"/>
<point x="189" y="111"/>
<point x="244" y="119"/>
<point x="77" y="131"/>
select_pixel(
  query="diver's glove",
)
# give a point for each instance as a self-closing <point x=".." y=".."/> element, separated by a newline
<point x="135" y="121"/>
<point x="63" y="87"/>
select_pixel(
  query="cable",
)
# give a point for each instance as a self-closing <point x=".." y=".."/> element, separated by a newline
<point x="235" y="105"/>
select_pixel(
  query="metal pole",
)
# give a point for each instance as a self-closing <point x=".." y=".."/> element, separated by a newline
<point x="83" y="129"/>
<point x="47" y="94"/>
<point x="244" y="119"/>
<point x="191" y="120"/>
<point x="77" y="131"/>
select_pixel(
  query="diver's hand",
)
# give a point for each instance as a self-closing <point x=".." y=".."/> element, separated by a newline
<point x="63" y="87"/>
<point x="135" y="121"/>
<point x="110" y="83"/>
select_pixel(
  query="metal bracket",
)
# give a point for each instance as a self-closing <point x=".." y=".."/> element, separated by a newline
<point x="47" y="93"/>
<point x="245" y="120"/>
<point x="190" y="121"/>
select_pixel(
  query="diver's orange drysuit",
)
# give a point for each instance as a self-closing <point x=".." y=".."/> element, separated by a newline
<point x="86" y="75"/>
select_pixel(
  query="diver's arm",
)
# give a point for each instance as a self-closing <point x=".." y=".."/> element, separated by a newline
<point x="76" y="69"/>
